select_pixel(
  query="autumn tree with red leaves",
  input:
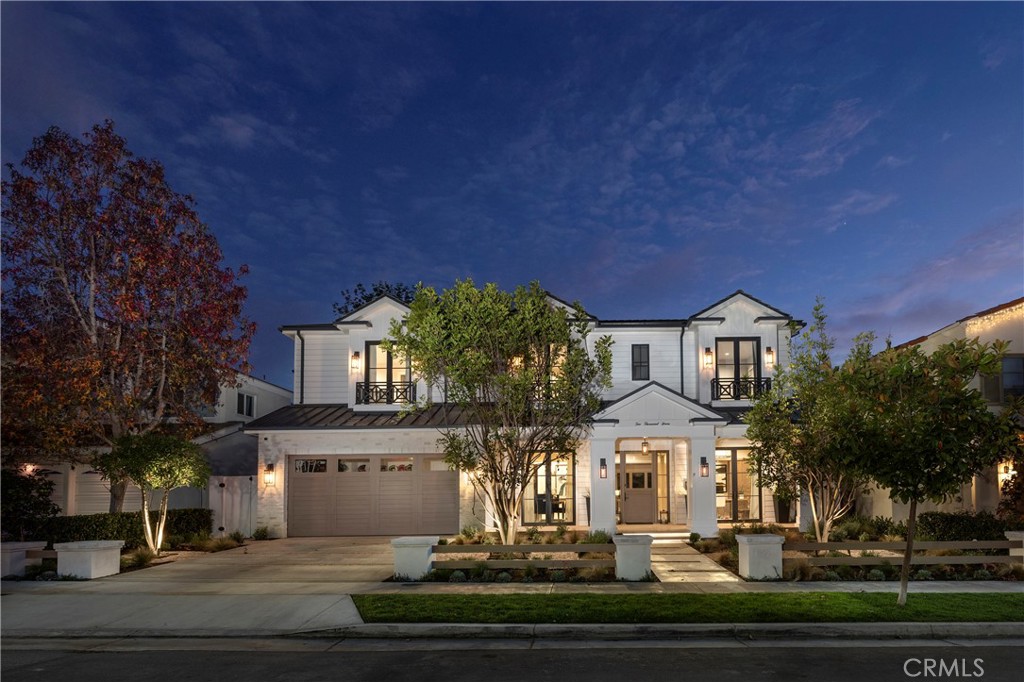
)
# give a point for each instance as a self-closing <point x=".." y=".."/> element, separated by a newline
<point x="117" y="312"/>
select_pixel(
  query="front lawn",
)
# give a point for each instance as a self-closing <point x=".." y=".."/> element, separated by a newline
<point x="806" y="607"/>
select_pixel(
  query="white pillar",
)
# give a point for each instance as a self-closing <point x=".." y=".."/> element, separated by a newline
<point x="703" y="513"/>
<point x="413" y="556"/>
<point x="602" y="490"/>
<point x="632" y="556"/>
<point x="760" y="556"/>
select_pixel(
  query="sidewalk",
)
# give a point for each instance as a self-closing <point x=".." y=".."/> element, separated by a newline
<point x="297" y="586"/>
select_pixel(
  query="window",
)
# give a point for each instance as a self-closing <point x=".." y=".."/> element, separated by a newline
<point x="738" y="370"/>
<point x="1009" y="382"/>
<point x="641" y="362"/>
<point x="550" y="495"/>
<point x="388" y="378"/>
<point x="246" y="404"/>
<point x="738" y="496"/>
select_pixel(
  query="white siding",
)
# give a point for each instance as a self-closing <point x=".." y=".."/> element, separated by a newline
<point x="326" y="366"/>
<point x="664" y="357"/>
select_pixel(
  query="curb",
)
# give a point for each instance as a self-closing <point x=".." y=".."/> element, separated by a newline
<point x="787" y="631"/>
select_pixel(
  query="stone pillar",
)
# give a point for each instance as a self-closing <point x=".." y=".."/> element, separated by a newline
<point x="13" y="557"/>
<point x="760" y="556"/>
<point x="89" y="559"/>
<point x="1016" y="536"/>
<point x="632" y="556"/>
<point x="602" y="490"/>
<point x="413" y="556"/>
<point x="703" y="512"/>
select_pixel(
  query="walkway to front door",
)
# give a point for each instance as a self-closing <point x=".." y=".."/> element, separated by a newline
<point x="674" y="561"/>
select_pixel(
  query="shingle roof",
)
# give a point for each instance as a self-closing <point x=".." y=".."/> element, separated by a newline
<point x="344" y="417"/>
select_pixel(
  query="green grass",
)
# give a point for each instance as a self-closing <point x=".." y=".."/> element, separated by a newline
<point x="804" y="607"/>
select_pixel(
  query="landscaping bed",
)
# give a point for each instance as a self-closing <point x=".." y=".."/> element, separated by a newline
<point x="807" y="607"/>
<point x="933" y="526"/>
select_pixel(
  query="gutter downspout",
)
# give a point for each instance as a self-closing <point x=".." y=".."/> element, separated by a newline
<point x="302" y="366"/>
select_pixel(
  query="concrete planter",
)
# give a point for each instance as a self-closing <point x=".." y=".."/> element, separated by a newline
<point x="89" y="559"/>
<point x="632" y="556"/>
<point x="13" y="556"/>
<point x="760" y="556"/>
<point x="413" y="556"/>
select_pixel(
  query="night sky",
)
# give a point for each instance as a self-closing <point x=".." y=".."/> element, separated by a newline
<point x="647" y="159"/>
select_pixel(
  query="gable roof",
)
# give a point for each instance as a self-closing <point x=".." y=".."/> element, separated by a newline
<point x="374" y="301"/>
<point x="982" y="313"/>
<point x="657" y="391"/>
<point x="740" y="292"/>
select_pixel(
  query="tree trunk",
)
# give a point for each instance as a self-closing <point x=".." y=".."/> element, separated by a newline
<point x="162" y="523"/>
<point x="146" y="525"/>
<point x="117" y="493"/>
<point x="905" y="572"/>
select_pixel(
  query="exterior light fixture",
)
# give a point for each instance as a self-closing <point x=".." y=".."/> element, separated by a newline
<point x="705" y="468"/>
<point x="604" y="468"/>
<point x="355" y="361"/>
<point x="769" y="356"/>
<point x="645" y="447"/>
<point x="268" y="474"/>
<point x="709" y="358"/>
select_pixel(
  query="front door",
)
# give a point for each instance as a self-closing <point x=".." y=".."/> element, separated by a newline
<point x="637" y="487"/>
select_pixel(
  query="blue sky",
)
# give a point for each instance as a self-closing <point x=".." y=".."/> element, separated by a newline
<point x="647" y="159"/>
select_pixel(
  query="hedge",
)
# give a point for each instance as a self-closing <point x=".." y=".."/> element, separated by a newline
<point x="962" y="525"/>
<point x="125" y="526"/>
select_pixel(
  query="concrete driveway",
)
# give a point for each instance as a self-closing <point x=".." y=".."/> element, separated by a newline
<point x="264" y="588"/>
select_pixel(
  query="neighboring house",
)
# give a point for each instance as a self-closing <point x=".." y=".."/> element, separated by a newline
<point x="1003" y="322"/>
<point x="668" y="446"/>
<point x="232" y="454"/>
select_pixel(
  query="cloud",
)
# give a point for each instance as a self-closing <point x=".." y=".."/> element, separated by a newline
<point x="892" y="161"/>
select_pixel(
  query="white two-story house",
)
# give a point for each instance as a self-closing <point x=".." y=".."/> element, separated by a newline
<point x="667" y="448"/>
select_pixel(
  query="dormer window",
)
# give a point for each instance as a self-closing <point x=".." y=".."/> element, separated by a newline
<point x="738" y="370"/>
<point x="387" y="379"/>
<point x="246" y="405"/>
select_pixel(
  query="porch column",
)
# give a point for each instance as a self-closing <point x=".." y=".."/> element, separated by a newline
<point x="602" y="490"/>
<point x="703" y="513"/>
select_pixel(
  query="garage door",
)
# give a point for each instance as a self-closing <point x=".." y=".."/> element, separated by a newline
<point x="371" y="495"/>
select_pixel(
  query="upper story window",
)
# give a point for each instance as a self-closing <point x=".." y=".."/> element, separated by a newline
<point x="641" y="362"/>
<point x="387" y="379"/>
<point x="1009" y="382"/>
<point x="246" y="405"/>
<point x="738" y="370"/>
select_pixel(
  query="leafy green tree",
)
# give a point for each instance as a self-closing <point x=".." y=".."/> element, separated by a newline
<point x="25" y="504"/>
<point x="358" y="296"/>
<point x="799" y="430"/>
<point x="924" y="433"/>
<point x="155" y="462"/>
<point x="517" y="370"/>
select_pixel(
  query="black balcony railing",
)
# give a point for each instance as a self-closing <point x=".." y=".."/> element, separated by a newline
<point x="385" y="393"/>
<point x="739" y="389"/>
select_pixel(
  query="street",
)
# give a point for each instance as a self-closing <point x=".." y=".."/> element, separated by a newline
<point x="506" y="660"/>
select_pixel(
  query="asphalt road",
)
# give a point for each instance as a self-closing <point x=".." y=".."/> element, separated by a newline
<point x="508" y="661"/>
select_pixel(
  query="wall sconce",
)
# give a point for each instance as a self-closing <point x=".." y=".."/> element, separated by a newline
<point x="268" y="475"/>
<point x="645" y="447"/>
<point x="355" y="361"/>
<point x="705" y="468"/>
<point x="769" y="356"/>
<point x="709" y="358"/>
<point x="604" y="468"/>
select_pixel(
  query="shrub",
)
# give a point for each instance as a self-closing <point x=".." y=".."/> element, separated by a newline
<point x="557" y="576"/>
<point x="442" y="541"/>
<point x="125" y="526"/>
<point x="261" y="533"/>
<point x="503" y="577"/>
<point x="238" y="537"/>
<point x="479" y="570"/>
<point x="533" y="536"/>
<point x="832" y="576"/>
<point x="457" y="577"/>
<point x="469" y="531"/>
<point x="962" y="525"/>
<point x="139" y="558"/>
<point x="982" y="574"/>
<point x="846" y="572"/>
<point x="727" y="536"/>
<point x="25" y="505"/>
<point x="694" y="537"/>
<point x="562" y="528"/>
<point x="923" y="574"/>
<point x="596" y="537"/>
<point x="875" y="574"/>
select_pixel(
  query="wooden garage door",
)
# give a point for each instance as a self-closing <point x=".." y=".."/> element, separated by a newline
<point x="371" y="495"/>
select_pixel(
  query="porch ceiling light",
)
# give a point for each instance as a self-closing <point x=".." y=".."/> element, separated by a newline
<point x="705" y="468"/>
<point x="769" y="356"/>
<point x="268" y="474"/>
<point x="355" y="361"/>
<point x="709" y="358"/>
<point x="604" y="468"/>
<point x="645" y="447"/>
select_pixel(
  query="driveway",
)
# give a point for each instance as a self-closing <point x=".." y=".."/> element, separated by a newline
<point x="264" y="588"/>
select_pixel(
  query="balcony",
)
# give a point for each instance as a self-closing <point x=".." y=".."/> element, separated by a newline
<point x="739" y="389"/>
<point x="385" y="393"/>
